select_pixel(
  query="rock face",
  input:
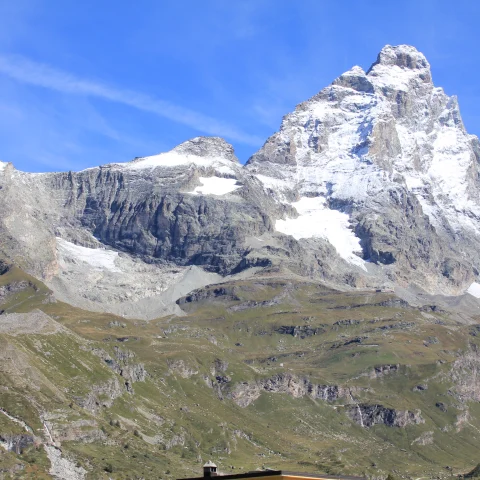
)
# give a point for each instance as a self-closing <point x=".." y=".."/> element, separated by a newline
<point x="123" y="366"/>
<point x="301" y="331"/>
<point x="243" y="394"/>
<point x="369" y="415"/>
<point x="195" y="205"/>
<point x="372" y="182"/>
<point x="170" y="206"/>
<point x="381" y="370"/>
<point x="16" y="443"/>
<point x="101" y="395"/>
<point x="464" y="376"/>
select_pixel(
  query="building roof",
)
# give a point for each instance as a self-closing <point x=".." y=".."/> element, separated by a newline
<point x="210" y="464"/>
<point x="283" y="473"/>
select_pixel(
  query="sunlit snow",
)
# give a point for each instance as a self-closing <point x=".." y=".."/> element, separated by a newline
<point x="98" y="258"/>
<point x="387" y="74"/>
<point x="215" y="186"/>
<point x="474" y="289"/>
<point x="175" y="159"/>
<point x="317" y="220"/>
<point x="168" y="159"/>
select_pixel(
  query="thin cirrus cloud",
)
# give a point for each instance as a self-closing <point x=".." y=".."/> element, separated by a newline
<point x="33" y="73"/>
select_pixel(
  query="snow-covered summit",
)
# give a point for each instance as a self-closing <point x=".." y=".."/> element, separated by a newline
<point x="371" y="141"/>
<point x="209" y="147"/>
<point x="204" y="152"/>
<point x="403" y="56"/>
<point x="399" y="67"/>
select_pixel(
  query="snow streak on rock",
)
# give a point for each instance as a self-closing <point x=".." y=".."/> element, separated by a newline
<point x="317" y="220"/>
<point x="216" y="186"/>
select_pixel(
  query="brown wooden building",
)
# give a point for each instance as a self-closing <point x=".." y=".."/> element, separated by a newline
<point x="210" y="470"/>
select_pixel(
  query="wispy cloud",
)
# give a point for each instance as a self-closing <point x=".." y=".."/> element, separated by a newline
<point x="39" y="74"/>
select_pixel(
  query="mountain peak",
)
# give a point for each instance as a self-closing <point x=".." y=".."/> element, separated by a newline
<point x="207" y="147"/>
<point x="404" y="56"/>
<point x="356" y="79"/>
<point x="401" y="58"/>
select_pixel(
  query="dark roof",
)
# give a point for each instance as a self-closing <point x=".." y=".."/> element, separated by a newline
<point x="267" y="473"/>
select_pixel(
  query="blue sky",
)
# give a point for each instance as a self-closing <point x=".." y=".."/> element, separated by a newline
<point x="87" y="83"/>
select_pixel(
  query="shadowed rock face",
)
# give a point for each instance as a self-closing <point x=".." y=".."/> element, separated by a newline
<point x="16" y="443"/>
<point x="383" y="153"/>
<point x="369" y="415"/>
<point x="151" y="210"/>
<point x="148" y="211"/>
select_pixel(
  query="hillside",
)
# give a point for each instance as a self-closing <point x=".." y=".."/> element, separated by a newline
<point x="267" y="372"/>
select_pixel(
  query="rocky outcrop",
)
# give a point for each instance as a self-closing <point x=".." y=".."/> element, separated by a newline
<point x="14" y="287"/>
<point x="424" y="439"/>
<point x="346" y="323"/>
<point x="301" y="331"/>
<point x="122" y="365"/>
<point x="369" y="415"/>
<point x="84" y="430"/>
<point x="202" y="295"/>
<point x="179" y="367"/>
<point x="395" y="326"/>
<point x="465" y="377"/>
<point x="380" y="371"/>
<point x="243" y="394"/>
<point x="219" y="367"/>
<point x="16" y="443"/>
<point x="101" y="395"/>
<point x="420" y="388"/>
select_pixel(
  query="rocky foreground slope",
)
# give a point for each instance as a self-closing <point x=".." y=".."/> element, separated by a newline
<point x="263" y="372"/>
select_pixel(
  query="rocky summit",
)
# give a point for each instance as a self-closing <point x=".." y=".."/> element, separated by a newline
<point x="314" y="308"/>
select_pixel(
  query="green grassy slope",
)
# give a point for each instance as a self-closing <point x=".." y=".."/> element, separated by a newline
<point x="182" y="412"/>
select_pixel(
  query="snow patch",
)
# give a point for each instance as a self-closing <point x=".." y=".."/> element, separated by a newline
<point x="317" y="220"/>
<point x="168" y="159"/>
<point x="175" y="159"/>
<point x="3" y="165"/>
<point x="474" y="290"/>
<point x="215" y="186"/>
<point x="98" y="258"/>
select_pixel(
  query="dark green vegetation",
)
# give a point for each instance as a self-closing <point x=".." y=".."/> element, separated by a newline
<point x="239" y="380"/>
